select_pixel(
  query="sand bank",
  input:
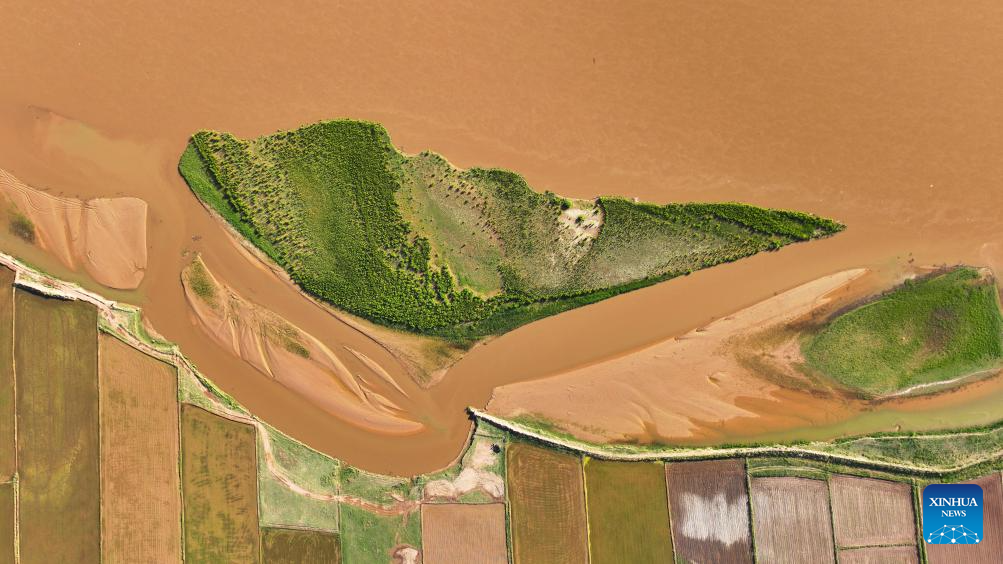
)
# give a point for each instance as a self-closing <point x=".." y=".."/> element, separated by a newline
<point x="680" y="388"/>
<point x="292" y="357"/>
<point x="104" y="236"/>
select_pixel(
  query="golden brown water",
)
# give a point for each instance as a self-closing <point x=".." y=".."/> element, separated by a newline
<point x="886" y="119"/>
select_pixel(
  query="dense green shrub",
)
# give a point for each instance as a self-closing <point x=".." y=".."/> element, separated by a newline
<point x="328" y="203"/>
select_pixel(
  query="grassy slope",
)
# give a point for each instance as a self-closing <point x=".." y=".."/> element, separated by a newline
<point x="926" y="331"/>
<point x="411" y="242"/>
<point x="367" y="537"/>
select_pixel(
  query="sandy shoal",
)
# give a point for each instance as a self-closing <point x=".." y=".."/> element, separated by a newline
<point x="104" y="236"/>
<point x="255" y="335"/>
<point x="670" y="390"/>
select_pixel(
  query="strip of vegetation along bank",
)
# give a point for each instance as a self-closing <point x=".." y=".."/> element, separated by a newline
<point x="968" y="452"/>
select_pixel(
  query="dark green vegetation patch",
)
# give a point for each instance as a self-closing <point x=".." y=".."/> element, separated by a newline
<point x="411" y="242"/>
<point x="299" y="546"/>
<point x="926" y="331"/>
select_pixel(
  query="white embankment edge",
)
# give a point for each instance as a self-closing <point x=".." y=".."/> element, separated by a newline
<point x="709" y="453"/>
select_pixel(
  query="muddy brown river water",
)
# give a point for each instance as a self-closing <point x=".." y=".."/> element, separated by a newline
<point x="885" y="117"/>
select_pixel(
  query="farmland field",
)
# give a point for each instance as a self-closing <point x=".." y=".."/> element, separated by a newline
<point x="628" y="512"/>
<point x="880" y="555"/>
<point x="790" y="519"/>
<point x="887" y="505"/>
<point x="7" y="444"/>
<point x="299" y="546"/>
<point x="456" y="532"/>
<point x="547" y="506"/>
<point x="988" y="551"/>
<point x="368" y="537"/>
<point x="219" y="488"/>
<point x="7" y="523"/>
<point x="709" y="505"/>
<point x="55" y="351"/>
<point x="140" y="499"/>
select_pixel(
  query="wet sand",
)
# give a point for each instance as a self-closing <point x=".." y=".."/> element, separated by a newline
<point x="885" y="120"/>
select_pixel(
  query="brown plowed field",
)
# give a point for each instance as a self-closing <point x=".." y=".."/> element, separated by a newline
<point x="547" y="500"/>
<point x="7" y="523"/>
<point x="880" y="555"/>
<point x="140" y="499"/>
<point x="628" y="512"/>
<point x="8" y="459"/>
<point x="457" y="532"/>
<point x="280" y="545"/>
<point x="55" y="352"/>
<point x="991" y="547"/>
<point x="867" y="512"/>
<point x="219" y="488"/>
<point x="709" y="504"/>
<point x="791" y="520"/>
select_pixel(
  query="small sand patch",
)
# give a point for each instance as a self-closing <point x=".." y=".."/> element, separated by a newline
<point x="104" y="236"/>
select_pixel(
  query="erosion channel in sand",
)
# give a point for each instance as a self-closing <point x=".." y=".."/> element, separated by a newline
<point x="882" y="119"/>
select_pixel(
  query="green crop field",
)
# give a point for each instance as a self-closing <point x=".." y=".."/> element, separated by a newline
<point x="923" y="332"/>
<point x="628" y="512"/>
<point x="368" y="537"/>
<point x="299" y="546"/>
<point x="219" y="488"/>
<point x="56" y="355"/>
<point x="413" y="243"/>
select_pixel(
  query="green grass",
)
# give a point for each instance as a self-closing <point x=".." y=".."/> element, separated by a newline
<point x="200" y="283"/>
<point x="309" y="469"/>
<point x="413" y="243"/>
<point x="926" y="331"/>
<point x="367" y="537"/>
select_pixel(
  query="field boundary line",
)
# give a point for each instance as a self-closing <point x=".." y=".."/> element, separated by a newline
<point x="711" y="453"/>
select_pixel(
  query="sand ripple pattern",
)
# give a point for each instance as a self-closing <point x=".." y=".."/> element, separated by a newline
<point x="104" y="236"/>
<point x="294" y="358"/>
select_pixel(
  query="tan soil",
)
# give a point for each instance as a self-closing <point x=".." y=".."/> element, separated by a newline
<point x="463" y="533"/>
<point x="791" y="520"/>
<point x="293" y="358"/>
<point x="105" y="236"/>
<point x="880" y="555"/>
<point x="474" y="476"/>
<point x="676" y="389"/>
<point x="884" y="119"/>
<point x="888" y="506"/>
<point x="140" y="500"/>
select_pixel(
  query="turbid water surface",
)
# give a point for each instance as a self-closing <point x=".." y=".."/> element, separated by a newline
<point x="884" y="117"/>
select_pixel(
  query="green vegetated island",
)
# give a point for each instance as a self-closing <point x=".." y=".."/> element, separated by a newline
<point x="929" y="332"/>
<point x="410" y="242"/>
